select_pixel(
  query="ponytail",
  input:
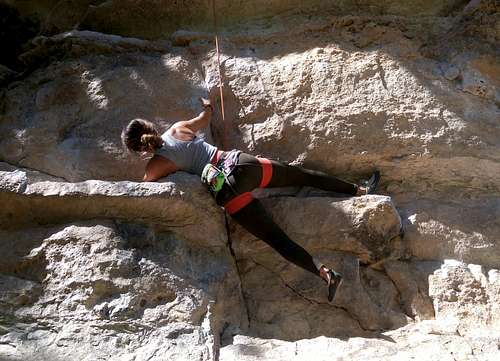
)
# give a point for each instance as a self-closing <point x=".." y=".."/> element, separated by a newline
<point x="151" y="141"/>
<point x="141" y="135"/>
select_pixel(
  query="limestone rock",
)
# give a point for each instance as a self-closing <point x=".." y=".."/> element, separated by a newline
<point x="184" y="37"/>
<point x="410" y="278"/>
<point x="481" y="76"/>
<point x="162" y="203"/>
<point x="330" y="231"/>
<point x="451" y="72"/>
<point x="464" y="293"/>
<point x="80" y="43"/>
<point x="17" y="292"/>
<point x="147" y="19"/>
<point x="444" y="228"/>
<point x="347" y="111"/>
<point x="363" y="226"/>
<point x="67" y="119"/>
<point x="95" y="265"/>
<point x="435" y="341"/>
<point x="6" y="75"/>
<point x="131" y="283"/>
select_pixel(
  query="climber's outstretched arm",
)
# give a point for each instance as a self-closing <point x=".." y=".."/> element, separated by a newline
<point x="198" y="122"/>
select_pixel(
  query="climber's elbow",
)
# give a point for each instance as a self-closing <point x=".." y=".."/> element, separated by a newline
<point x="158" y="167"/>
<point x="149" y="178"/>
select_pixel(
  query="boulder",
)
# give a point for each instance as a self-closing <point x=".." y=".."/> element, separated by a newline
<point x="437" y="341"/>
<point x="457" y="228"/>
<point x="340" y="233"/>
<point x="112" y="275"/>
<point x="411" y="281"/>
<point x="468" y="294"/>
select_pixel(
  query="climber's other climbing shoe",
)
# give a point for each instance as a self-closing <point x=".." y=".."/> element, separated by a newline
<point x="334" y="281"/>
<point x="372" y="183"/>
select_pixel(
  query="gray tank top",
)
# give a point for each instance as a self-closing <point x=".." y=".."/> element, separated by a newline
<point x="189" y="155"/>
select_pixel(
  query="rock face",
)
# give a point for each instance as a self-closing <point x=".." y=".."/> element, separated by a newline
<point x="155" y="19"/>
<point x="97" y="266"/>
<point x="350" y="233"/>
<point x="111" y="275"/>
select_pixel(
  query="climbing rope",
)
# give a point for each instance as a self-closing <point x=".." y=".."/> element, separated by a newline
<point x="224" y="140"/>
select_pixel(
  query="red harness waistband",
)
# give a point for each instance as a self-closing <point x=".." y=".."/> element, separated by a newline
<point x="242" y="200"/>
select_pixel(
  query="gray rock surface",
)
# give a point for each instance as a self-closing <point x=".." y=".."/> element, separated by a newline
<point x="97" y="266"/>
<point x="428" y="339"/>
<point x="470" y="290"/>
<point x="6" y="74"/>
<point x="120" y="279"/>
<point x="340" y="234"/>
<point x="154" y="19"/>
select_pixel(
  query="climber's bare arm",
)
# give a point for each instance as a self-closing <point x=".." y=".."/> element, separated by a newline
<point x="158" y="167"/>
<point x="181" y="130"/>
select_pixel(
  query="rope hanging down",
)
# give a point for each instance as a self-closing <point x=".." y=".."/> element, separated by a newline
<point x="220" y="77"/>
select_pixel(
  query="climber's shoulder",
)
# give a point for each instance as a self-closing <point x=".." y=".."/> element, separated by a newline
<point x="180" y="132"/>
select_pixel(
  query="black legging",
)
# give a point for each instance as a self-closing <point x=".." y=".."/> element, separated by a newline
<point x="254" y="218"/>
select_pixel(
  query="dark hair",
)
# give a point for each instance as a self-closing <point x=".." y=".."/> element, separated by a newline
<point x="141" y="135"/>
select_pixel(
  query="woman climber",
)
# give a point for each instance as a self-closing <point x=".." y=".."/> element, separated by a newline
<point x="231" y="176"/>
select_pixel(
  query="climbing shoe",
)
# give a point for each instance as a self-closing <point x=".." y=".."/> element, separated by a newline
<point x="334" y="281"/>
<point x="371" y="184"/>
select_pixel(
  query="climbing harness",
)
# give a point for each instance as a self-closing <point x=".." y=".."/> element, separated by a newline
<point x="243" y="199"/>
<point x="215" y="174"/>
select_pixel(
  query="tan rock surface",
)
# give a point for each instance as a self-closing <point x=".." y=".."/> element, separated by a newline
<point x="427" y="340"/>
<point x="340" y="233"/>
<point x="95" y="265"/>
<point x="118" y="283"/>
<point x="155" y="19"/>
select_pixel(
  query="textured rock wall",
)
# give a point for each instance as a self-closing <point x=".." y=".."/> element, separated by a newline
<point x="119" y="269"/>
<point x="159" y="18"/>
<point x="98" y="266"/>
